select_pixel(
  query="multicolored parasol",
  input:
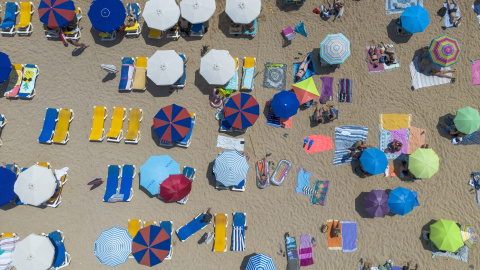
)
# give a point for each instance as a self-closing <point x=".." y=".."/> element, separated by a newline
<point x="444" y="50"/>
<point x="172" y="123"/>
<point x="241" y="111"/>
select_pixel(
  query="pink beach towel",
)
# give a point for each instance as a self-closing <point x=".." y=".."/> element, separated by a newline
<point x="305" y="251"/>
<point x="320" y="143"/>
<point x="476" y="72"/>
<point x="372" y="69"/>
<point x="401" y="135"/>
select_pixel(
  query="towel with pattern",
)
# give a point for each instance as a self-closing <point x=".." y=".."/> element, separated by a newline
<point x="346" y="137"/>
<point x="476" y="72"/>
<point x="384" y="140"/>
<point x="308" y="191"/>
<point x="395" y="63"/>
<point x="401" y="135"/>
<point x="275" y="76"/>
<point x="399" y="6"/>
<point x="321" y="188"/>
<point x="423" y="79"/>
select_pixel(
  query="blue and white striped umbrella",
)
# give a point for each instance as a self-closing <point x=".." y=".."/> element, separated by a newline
<point x="260" y="262"/>
<point x="230" y="168"/>
<point x="113" y="246"/>
<point x="335" y="48"/>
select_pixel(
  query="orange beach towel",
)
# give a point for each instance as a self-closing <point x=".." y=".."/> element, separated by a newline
<point x="320" y="143"/>
<point x="333" y="243"/>
<point x="416" y="138"/>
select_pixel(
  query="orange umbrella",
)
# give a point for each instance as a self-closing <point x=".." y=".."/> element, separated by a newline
<point x="306" y="90"/>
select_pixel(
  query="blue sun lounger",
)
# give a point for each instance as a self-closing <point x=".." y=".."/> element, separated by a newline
<point x="181" y="82"/>
<point x="48" y="130"/>
<point x="192" y="227"/>
<point x="9" y="21"/>
<point x="186" y="141"/>
<point x="128" y="173"/>
<point x="62" y="258"/>
<point x="238" y="233"/>
<point x="126" y="77"/>
<point x="112" y="182"/>
<point x="167" y="225"/>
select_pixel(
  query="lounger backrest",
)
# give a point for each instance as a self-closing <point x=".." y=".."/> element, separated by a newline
<point x="239" y="219"/>
<point x="135" y="8"/>
<point x="249" y="62"/>
<point x="149" y="223"/>
<point x="112" y="181"/>
<point x="133" y="124"/>
<point x="62" y="125"/>
<point x="189" y="134"/>
<point x="154" y="33"/>
<point x="98" y="121"/>
<point x="141" y="62"/>
<point x="134" y="225"/>
<point x="127" y="179"/>
<point x="184" y="76"/>
<point x="197" y="27"/>
<point x="189" y="172"/>
<point x="48" y="125"/>
<point x="10" y="15"/>
<point x="25" y="14"/>
<point x="56" y="239"/>
<point x="167" y="225"/>
<point x="117" y="122"/>
<point x="14" y="80"/>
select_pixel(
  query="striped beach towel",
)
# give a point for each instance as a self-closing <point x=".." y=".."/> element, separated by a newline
<point x="308" y="191"/>
<point x="7" y="245"/>
<point x="420" y="80"/>
<point x="345" y="90"/>
<point x="345" y="137"/>
<point x="238" y="239"/>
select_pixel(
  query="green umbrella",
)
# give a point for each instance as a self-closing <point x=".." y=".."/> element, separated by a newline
<point x="467" y="120"/>
<point x="446" y="236"/>
<point x="423" y="163"/>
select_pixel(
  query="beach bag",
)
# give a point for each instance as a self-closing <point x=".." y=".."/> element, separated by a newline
<point x="441" y="12"/>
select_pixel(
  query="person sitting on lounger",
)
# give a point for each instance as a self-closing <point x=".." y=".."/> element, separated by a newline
<point x="302" y="69"/>
<point x="374" y="59"/>
<point x="183" y="25"/>
<point x="208" y="216"/>
<point x="452" y="12"/>
<point x="250" y="27"/>
<point x="233" y="24"/>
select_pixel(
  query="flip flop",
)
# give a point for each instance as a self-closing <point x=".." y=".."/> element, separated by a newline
<point x="310" y="143"/>
<point x="305" y="141"/>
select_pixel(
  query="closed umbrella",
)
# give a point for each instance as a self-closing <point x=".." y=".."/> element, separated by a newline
<point x="401" y="201"/>
<point x="285" y="104"/>
<point x="5" y="67"/>
<point x="446" y="236"/>
<point x="7" y="181"/>
<point x="467" y="120"/>
<point x="217" y="67"/>
<point x="415" y="19"/>
<point x="113" y="246"/>
<point x="230" y="168"/>
<point x="306" y="90"/>
<point x="423" y="163"/>
<point x="161" y="14"/>
<point x="172" y="123"/>
<point x="35" y="252"/>
<point x="469" y="235"/>
<point x="335" y="48"/>
<point x="444" y="50"/>
<point x="197" y="11"/>
<point x="151" y="245"/>
<point x="374" y="161"/>
<point x="155" y="170"/>
<point x="165" y="67"/>
<point x="260" y="262"/>
<point x="243" y="11"/>
<point x="241" y="111"/>
<point x="107" y="15"/>
<point x="56" y="13"/>
<point x="376" y="203"/>
<point x="35" y="185"/>
<point x="175" y="188"/>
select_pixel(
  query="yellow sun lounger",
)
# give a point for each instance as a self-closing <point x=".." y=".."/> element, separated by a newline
<point x="61" y="133"/>
<point x="133" y="132"/>
<point x="134" y="225"/>
<point x="116" y="133"/>
<point x="44" y="164"/>
<point x="220" y="225"/>
<point x="148" y="223"/>
<point x="99" y="116"/>
<point x="140" y="78"/>
<point x="24" y="27"/>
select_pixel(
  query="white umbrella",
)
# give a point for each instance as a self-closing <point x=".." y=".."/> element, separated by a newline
<point x="243" y="11"/>
<point x="35" y="252"/>
<point x="217" y="67"/>
<point x="161" y="14"/>
<point x="197" y="11"/>
<point x="165" y="67"/>
<point x="35" y="185"/>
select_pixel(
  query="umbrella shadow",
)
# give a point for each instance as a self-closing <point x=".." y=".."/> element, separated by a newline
<point x="153" y="41"/>
<point x="286" y="7"/>
<point x="98" y="40"/>
<point x="325" y="69"/>
<point x="360" y="205"/>
<point x="159" y="91"/>
<point x="9" y="205"/>
<point x="202" y="84"/>
<point x="443" y="122"/>
<point x="426" y="227"/>
<point x="390" y="214"/>
<point x="210" y="176"/>
<point x="392" y="33"/>
<point x="245" y="260"/>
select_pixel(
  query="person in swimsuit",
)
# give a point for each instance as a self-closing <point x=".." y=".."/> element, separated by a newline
<point x="302" y="69"/>
<point x="452" y="12"/>
<point x="132" y="19"/>
<point x="389" y="52"/>
<point x="374" y="60"/>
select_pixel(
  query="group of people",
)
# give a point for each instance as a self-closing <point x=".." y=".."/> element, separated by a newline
<point x="386" y="55"/>
<point x="250" y="26"/>
<point x="331" y="9"/>
<point x="324" y="112"/>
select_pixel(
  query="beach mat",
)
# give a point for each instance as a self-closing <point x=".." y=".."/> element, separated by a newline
<point x="476" y="72"/>
<point x="327" y="89"/>
<point x="273" y="120"/>
<point x="345" y="90"/>
<point x="395" y="121"/>
<point x="333" y="243"/>
<point x="421" y="80"/>
<point x="346" y="137"/>
<point x="461" y="254"/>
<point x="303" y="180"/>
<point x="416" y="138"/>
<point x="470" y="139"/>
<point x="230" y="143"/>
<point x="320" y="143"/>
<point x="395" y="64"/>
<point x="371" y="69"/>
<point x="399" y="6"/>
<point x="401" y="135"/>
<point x="385" y="138"/>
<point x="275" y="76"/>
<point x="446" y="22"/>
<point x="321" y="187"/>
<point x="305" y="251"/>
<point x="349" y="236"/>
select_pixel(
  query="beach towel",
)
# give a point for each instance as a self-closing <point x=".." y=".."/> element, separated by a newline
<point x="421" y="80"/>
<point x="399" y="6"/>
<point x="385" y="138"/>
<point x="303" y="180"/>
<point x="7" y="245"/>
<point x="30" y="73"/>
<point x="305" y="251"/>
<point x="275" y="76"/>
<point x="320" y="143"/>
<point x="273" y="120"/>
<point x="476" y="72"/>
<point x="321" y="188"/>
<point x="346" y="137"/>
<point x="14" y="81"/>
<point x="345" y="90"/>
<point x="233" y="83"/>
<point x="447" y="23"/>
<point x="349" y="236"/>
<point x="333" y="243"/>
<point x="230" y="143"/>
<point x="470" y="139"/>
<point x="401" y="135"/>
<point x="476" y="8"/>
<point x="308" y="191"/>
<point x="461" y="254"/>
<point x="371" y="68"/>
<point x="311" y="69"/>
<point x="126" y="77"/>
<point x="416" y="138"/>
<point x="395" y="121"/>
<point x="327" y="89"/>
<point x="248" y="78"/>
<point x="300" y="28"/>
<point x="395" y="63"/>
<point x="286" y="123"/>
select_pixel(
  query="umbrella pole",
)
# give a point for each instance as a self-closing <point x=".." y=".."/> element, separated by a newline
<point x="252" y="145"/>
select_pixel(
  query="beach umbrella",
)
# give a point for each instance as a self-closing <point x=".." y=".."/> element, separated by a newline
<point x="217" y="67"/>
<point x="446" y="236"/>
<point x="35" y="185"/>
<point x="467" y="120"/>
<point x="5" y="67"/>
<point x="243" y="11"/>
<point x="241" y="111"/>
<point x="230" y="168"/>
<point x="444" y="50"/>
<point x="107" y="15"/>
<point x="151" y="245"/>
<point x="7" y="181"/>
<point x="155" y="170"/>
<point x="113" y="246"/>
<point x="260" y="262"/>
<point x="56" y="13"/>
<point x="197" y="11"/>
<point x="161" y="14"/>
<point x="36" y="252"/>
<point x="285" y="104"/>
<point x="469" y="235"/>
<point x="423" y="163"/>
<point x="376" y="203"/>
<point x="175" y="188"/>
<point x="165" y="67"/>
<point x="335" y="48"/>
<point x="415" y="19"/>
<point x="306" y="90"/>
<point x="172" y="123"/>
<point x="401" y="201"/>
<point x="373" y="161"/>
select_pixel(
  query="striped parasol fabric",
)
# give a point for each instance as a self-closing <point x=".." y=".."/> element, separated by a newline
<point x="238" y="240"/>
<point x="335" y="48"/>
<point x="241" y="111"/>
<point x="56" y="13"/>
<point x="151" y="245"/>
<point x="230" y="168"/>
<point x="444" y="50"/>
<point x="469" y="235"/>
<point x="172" y="123"/>
<point x="260" y="262"/>
<point x="113" y="246"/>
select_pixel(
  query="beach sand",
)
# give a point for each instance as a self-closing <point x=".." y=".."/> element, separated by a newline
<point x="73" y="79"/>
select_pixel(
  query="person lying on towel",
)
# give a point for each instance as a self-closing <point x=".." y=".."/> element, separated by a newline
<point x="324" y="113"/>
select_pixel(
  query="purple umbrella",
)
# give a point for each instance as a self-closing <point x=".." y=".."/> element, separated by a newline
<point x="376" y="203"/>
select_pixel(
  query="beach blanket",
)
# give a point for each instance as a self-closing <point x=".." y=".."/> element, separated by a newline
<point x="30" y="73"/>
<point x="395" y="63"/>
<point x="349" y="236"/>
<point x="476" y="8"/>
<point x="461" y="254"/>
<point x="371" y="68"/>
<point x="416" y="138"/>
<point x="333" y="243"/>
<point x="286" y="123"/>
<point x="399" y="6"/>
<point x="7" y="245"/>
<point x="275" y="76"/>
<point x="320" y="143"/>
<point x="401" y="135"/>
<point x="327" y="89"/>
<point x="395" y="121"/>
<point x="420" y="80"/>
<point x="233" y="83"/>
<point x="385" y="138"/>
<point x="303" y="180"/>
<point x="14" y="81"/>
<point x="126" y="78"/>
<point x="446" y="22"/>
<point x="476" y="72"/>
<point x="321" y="188"/>
<point x="470" y="139"/>
<point x="305" y="251"/>
<point x="273" y="120"/>
<point x="346" y="137"/>
<point x="345" y="90"/>
<point x="230" y="143"/>
<point x="311" y="69"/>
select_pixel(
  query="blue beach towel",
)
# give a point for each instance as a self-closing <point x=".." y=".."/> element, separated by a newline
<point x="303" y="180"/>
<point x="182" y="79"/>
<point x="446" y="20"/>
<point x="10" y="17"/>
<point x="349" y="236"/>
<point x="126" y="77"/>
<point x="254" y="31"/>
<point x="345" y="137"/>
<point x="311" y="69"/>
<point x="300" y="28"/>
<point x="399" y="6"/>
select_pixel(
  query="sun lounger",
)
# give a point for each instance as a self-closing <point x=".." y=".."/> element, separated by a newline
<point x="3" y="122"/>
<point x="235" y="30"/>
<point x="292" y="254"/>
<point x="126" y="77"/>
<point x="24" y="27"/>
<point x="186" y="141"/>
<point x="8" y="24"/>
<point x="155" y="34"/>
<point x="134" y="31"/>
<point x="175" y="35"/>
<point x="56" y="199"/>
<point x="254" y="32"/>
<point x="168" y="227"/>
<point x="149" y="223"/>
<point x="248" y="73"/>
<point x="45" y="164"/>
<point x="165" y="143"/>
<point x="189" y="173"/>
<point x="30" y="73"/>
<point x="13" y="168"/>
<point x="197" y="30"/>
<point x="49" y="122"/>
<point x="192" y="227"/>
<point x="14" y="81"/>
<point x="289" y="33"/>
<point x="134" y="225"/>
<point x="74" y="35"/>
<point x="125" y="189"/>
<point x="133" y="132"/>
<point x="62" y="135"/>
<point x="98" y="132"/>
<point x="233" y="83"/>
<point x="108" y="36"/>
<point x="220" y="225"/>
<point x="140" y="79"/>
<point x="112" y="182"/>
<point x="7" y="245"/>
<point x="225" y="126"/>
<point x="116" y="133"/>
<point x="278" y="176"/>
<point x="62" y="257"/>
<point x="181" y="82"/>
<point x="238" y="233"/>
<point x="240" y="187"/>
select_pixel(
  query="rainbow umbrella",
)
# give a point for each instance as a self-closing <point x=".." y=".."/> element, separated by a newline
<point x="469" y="235"/>
<point x="446" y="236"/>
<point x="175" y="188"/>
<point x="305" y="90"/>
<point x="444" y="50"/>
<point x="56" y="13"/>
<point x="335" y="48"/>
<point x="241" y="111"/>
<point x="172" y="123"/>
<point x="151" y="245"/>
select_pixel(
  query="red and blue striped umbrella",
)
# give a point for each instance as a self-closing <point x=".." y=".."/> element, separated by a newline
<point x="241" y="111"/>
<point x="151" y="245"/>
<point x="172" y="123"/>
<point x="56" y="13"/>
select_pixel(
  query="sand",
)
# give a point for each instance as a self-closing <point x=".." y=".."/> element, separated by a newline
<point x="70" y="79"/>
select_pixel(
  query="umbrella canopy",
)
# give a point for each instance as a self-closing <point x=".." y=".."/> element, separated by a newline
<point x="467" y="120"/>
<point x="5" y="67"/>
<point x="241" y="111"/>
<point x="376" y="203"/>
<point x="446" y="236"/>
<point x="107" y="15"/>
<point x="260" y="262"/>
<point x="172" y="123"/>
<point x="151" y="245"/>
<point x="161" y="14"/>
<point x="230" y="168"/>
<point x="113" y="246"/>
<point x="469" y="235"/>
<point x="197" y="11"/>
<point x="35" y="185"/>
<point x="165" y="67"/>
<point x="285" y="104"/>
<point x="217" y="67"/>
<point x="56" y="13"/>
<point x="243" y="11"/>
<point x="423" y="163"/>
<point x="306" y="90"/>
<point x="7" y="181"/>
<point x="401" y="201"/>
<point x="374" y="161"/>
<point x="335" y="48"/>
<point x="175" y="188"/>
<point x="36" y="252"/>
<point x="156" y="170"/>
<point x="444" y="50"/>
<point x="415" y="19"/>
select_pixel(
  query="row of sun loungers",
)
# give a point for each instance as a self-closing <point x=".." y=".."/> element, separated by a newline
<point x="134" y="225"/>
<point x="55" y="126"/>
<point x="124" y="192"/>
<point x="24" y="26"/>
<point x="74" y="34"/>
<point x="115" y="133"/>
<point x="21" y="81"/>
